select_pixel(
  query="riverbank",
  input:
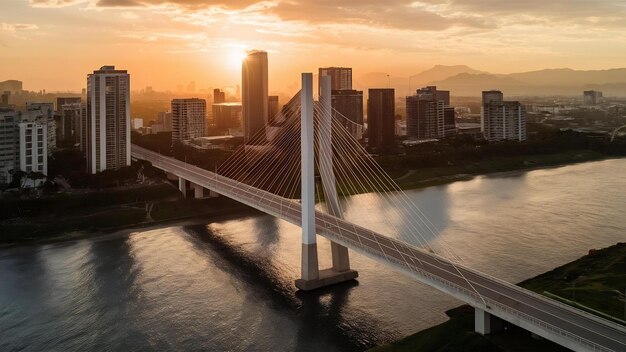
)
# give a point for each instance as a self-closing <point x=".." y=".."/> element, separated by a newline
<point x="70" y="216"/>
<point x="434" y="176"/>
<point x="595" y="283"/>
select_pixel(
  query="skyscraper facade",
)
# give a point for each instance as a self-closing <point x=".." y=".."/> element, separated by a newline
<point x="381" y="117"/>
<point x="345" y="100"/>
<point x="188" y="119"/>
<point x="349" y="103"/>
<point x="9" y="143"/>
<point x="340" y="77"/>
<point x="254" y="95"/>
<point x="272" y="108"/>
<point x="68" y="123"/>
<point x="107" y="120"/>
<point x="218" y="96"/>
<point x="429" y="114"/>
<point x="226" y="116"/>
<point x="502" y="120"/>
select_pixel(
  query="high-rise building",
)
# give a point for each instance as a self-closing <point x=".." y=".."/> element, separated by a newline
<point x="68" y="123"/>
<point x="502" y="120"/>
<point x="66" y="100"/>
<point x="345" y="100"/>
<point x="107" y="120"/>
<point x="429" y="114"/>
<point x="340" y="77"/>
<point x="43" y="113"/>
<point x="9" y="143"/>
<point x="592" y="97"/>
<point x="227" y="116"/>
<point x="188" y="119"/>
<point x="272" y="108"/>
<point x="254" y="95"/>
<point x="218" y="96"/>
<point x="381" y="112"/>
<point x="33" y="146"/>
<point x="349" y="103"/>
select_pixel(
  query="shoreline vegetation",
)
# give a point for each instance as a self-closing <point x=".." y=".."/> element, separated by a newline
<point x="595" y="283"/>
<point x="69" y="215"/>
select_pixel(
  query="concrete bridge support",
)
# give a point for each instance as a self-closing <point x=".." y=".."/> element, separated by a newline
<point x="182" y="186"/>
<point x="311" y="276"/>
<point x="485" y="323"/>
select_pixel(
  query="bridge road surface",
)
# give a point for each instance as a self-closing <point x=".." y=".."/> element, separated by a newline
<point x="576" y="329"/>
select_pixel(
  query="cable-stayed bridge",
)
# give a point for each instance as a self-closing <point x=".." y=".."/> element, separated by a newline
<point x="258" y="178"/>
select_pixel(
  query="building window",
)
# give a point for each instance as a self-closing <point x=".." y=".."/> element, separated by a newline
<point x="29" y="160"/>
<point x="40" y="159"/>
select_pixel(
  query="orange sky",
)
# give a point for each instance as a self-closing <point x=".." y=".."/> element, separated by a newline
<point x="53" y="44"/>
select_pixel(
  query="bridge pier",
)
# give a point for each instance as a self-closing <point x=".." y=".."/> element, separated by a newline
<point x="182" y="186"/>
<point x="485" y="323"/>
<point x="311" y="277"/>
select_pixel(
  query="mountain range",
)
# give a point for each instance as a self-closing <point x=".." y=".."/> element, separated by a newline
<point x="462" y="80"/>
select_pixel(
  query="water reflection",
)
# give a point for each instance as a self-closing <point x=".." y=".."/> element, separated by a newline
<point x="229" y="285"/>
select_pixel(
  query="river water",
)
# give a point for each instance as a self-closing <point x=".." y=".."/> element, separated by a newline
<point x="228" y="284"/>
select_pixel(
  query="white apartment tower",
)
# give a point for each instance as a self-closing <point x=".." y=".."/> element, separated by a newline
<point x="502" y="120"/>
<point x="188" y="119"/>
<point x="107" y="119"/>
<point x="33" y="146"/>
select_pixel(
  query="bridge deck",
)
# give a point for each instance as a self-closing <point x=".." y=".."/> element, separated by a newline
<point x="563" y="324"/>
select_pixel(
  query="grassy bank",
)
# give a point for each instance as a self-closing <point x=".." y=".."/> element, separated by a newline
<point x="431" y="176"/>
<point x="27" y="220"/>
<point x="595" y="282"/>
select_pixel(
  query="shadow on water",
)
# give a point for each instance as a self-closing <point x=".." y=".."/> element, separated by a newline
<point x="269" y="235"/>
<point x="319" y="313"/>
<point x="117" y="295"/>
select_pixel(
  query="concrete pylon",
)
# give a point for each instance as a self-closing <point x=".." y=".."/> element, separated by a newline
<point x="311" y="276"/>
<point x="341" y="259"/>
<point x="309" y="269"/>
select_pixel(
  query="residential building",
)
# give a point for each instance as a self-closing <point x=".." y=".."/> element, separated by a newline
<point x="9" y="143"/>
<point x="107" y="120"/>
<point x="592" y="97"/>
<point x="349" y="104"/>
<point x="69" y="123"/>
<point x="381" y="117"/>
<point x="33" y="146"/>
<point x="43" y="113"/>
<point x="341" y="77"/>
<point x="12" y="86"/>
<point x="429" y="114"/>
<point x="502" y="120"/>
<point x="254" y="96"/>
<point x="227" y="116"/>
<point x="188" y="119"/>
<point x="66" y="100"/>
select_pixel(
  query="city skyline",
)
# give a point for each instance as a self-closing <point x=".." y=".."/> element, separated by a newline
<point x="203" y="41"/>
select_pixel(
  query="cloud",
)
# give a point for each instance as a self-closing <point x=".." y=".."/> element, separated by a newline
<point x="15" y="27"/>
<point x="54" y="3"/>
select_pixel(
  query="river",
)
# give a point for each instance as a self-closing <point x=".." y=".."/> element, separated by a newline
<point x="228" y="284"/>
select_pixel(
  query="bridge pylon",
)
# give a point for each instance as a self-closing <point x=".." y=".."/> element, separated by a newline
<point x="311" y="277"/>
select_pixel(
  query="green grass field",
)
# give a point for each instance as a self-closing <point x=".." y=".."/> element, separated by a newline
<point x="600" y="284"/>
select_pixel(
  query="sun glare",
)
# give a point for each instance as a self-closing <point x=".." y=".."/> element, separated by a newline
<point x="235" y="56"/>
